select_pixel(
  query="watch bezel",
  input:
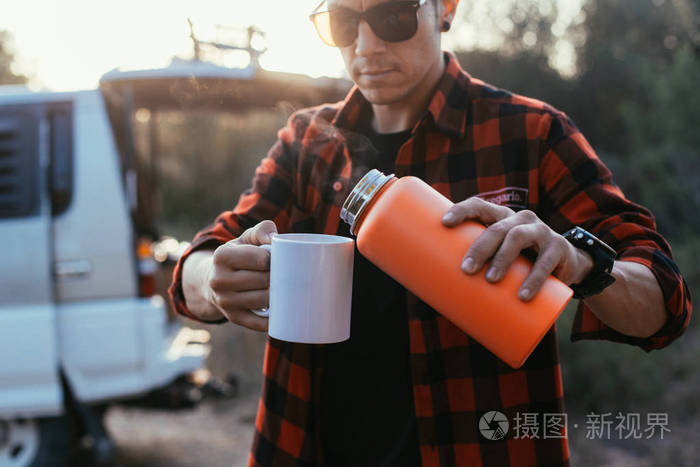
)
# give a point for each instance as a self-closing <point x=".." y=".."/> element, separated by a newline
<point x="580" y="234"/>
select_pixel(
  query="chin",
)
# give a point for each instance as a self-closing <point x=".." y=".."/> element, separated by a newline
<point x="382" y="96"/>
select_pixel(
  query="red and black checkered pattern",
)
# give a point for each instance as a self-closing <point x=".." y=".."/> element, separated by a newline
<point x="473" y="140"/>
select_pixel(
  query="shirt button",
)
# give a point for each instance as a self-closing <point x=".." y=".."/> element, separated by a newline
<point x="337" y="186"/>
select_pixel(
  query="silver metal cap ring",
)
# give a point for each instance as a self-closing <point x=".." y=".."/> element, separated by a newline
<point x="361" y="195"/>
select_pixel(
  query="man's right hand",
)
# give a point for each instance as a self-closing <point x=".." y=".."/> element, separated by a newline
<point x="238" y="279"/>
<point x="233" y="279"/>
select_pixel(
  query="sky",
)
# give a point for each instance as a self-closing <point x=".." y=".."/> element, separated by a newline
<point x="69" y="44"/>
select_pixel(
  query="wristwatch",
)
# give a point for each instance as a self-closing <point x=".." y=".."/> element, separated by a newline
<point x="603" y="256"/>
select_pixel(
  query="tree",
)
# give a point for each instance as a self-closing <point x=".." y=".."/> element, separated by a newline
<point x="623" y="41"/>
<point x="7" y="76"/>
<point x="507" y="71"/>
<point x="616" y="42"/>
<point x="512" y="27"/>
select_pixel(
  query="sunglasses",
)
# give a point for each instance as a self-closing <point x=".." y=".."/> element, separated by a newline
<point x="392" y="21"/>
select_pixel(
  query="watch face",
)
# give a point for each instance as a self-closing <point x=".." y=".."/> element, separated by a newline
<point x="587" y="240"/>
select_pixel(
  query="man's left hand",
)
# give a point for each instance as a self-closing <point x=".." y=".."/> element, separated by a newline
<point x="507" y="234"/>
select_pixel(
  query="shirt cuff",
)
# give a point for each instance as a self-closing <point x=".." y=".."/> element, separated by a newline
<point x="175" y="292"/>
<point x="676" y="299"/>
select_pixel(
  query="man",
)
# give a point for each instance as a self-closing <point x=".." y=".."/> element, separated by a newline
<point x="409" y="388"/>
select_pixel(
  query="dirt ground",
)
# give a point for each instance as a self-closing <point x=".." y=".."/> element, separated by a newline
<point x="217" y="433"/>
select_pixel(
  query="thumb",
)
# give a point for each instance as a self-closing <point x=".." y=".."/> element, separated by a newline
<point x="260" y="234"/>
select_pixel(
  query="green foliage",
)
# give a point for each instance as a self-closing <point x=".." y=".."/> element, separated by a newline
<point x="507" y="71"/>
<point x="512" y="26"/>
<point x="671" y="92"/>
<point x="624" y="40"/>
<point x="602" y="375"/>
<point x="662" y="167"/>
<point x="206" y="160"/>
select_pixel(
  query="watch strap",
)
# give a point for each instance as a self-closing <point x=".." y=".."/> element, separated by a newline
<point x="603" y="257"/>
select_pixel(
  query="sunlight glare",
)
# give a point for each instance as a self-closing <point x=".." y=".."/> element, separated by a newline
<point x="70" y="44"/>
<point x="73" y="42"/>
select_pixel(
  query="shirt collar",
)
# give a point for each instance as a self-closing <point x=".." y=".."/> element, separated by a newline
<point x="448" y="107"/>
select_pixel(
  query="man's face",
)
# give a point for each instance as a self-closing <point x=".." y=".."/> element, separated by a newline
<point x="389" y="72"/>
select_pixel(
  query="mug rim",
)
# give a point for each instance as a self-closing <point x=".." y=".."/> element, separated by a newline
<point x="316" y="239"/>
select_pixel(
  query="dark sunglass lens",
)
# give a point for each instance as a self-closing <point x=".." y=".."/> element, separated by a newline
<point x="343" y="25"/>
<point x="393" y="21"/>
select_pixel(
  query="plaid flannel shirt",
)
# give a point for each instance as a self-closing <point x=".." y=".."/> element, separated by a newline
<point x="473" y="139"/>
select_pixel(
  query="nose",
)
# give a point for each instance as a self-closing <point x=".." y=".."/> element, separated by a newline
<point x="367" y="42"/>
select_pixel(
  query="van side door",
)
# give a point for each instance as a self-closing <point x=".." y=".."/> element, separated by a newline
<point x="29" y="381"/>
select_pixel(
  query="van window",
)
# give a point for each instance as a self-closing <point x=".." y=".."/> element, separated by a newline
<point x="20" y="193"/>
<point x="19" y="162"/>
<point x="61" y="156"/>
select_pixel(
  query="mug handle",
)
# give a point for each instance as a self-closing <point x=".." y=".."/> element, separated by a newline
<point x="263" y="312"/>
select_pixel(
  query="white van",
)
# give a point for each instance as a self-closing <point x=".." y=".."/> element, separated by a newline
<point x="73" y="326"/>
<point x="80" y="325"/>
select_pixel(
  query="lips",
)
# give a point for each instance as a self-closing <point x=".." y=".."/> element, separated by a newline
<point x="376" y="77"/>
<point x="376" y="72"/>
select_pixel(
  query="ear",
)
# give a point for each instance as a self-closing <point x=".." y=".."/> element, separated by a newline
<point x="447" y="10"/>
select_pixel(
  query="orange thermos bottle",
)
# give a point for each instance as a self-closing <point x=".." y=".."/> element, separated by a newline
<point x="398" y="225"/>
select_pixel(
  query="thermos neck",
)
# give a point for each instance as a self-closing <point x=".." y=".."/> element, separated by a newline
<point x="360" y="196"/>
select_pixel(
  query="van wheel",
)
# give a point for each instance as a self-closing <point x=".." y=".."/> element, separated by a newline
<point x="41" y="442"/>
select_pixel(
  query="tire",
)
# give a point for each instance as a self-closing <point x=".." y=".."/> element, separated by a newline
<point x="39" y="442"/>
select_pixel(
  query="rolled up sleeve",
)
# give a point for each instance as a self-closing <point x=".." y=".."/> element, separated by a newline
<point x="577" y="189"/>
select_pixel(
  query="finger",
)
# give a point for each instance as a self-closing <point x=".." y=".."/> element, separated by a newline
<point x="236" y="257"/>
<point x="547" y="261"/>
<point x="477" y="209"/>
<point x="488" y="243"/>
<point x="516" y="240"/>
<point x="247" y="319"/>
<point x="240" y="281"/>
<point x="259" y="234"/>
<point x="247" y="300"/>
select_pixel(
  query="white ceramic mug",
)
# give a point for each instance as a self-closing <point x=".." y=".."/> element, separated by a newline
<point x="310" y="287"/>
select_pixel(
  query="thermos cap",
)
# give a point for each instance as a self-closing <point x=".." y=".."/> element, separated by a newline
<point x="361" y="195"/>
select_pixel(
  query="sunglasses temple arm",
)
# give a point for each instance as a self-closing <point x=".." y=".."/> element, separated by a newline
<point x="318" y="8"/>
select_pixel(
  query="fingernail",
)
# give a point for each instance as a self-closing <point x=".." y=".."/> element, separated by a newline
<point x="492" y="274"/>
<point x="468" y="265"/>
<point x="448" y="217"/>
<point x="524" y="294"/>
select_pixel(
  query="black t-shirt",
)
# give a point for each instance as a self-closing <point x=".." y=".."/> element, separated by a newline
<point x="367" y="413"/>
